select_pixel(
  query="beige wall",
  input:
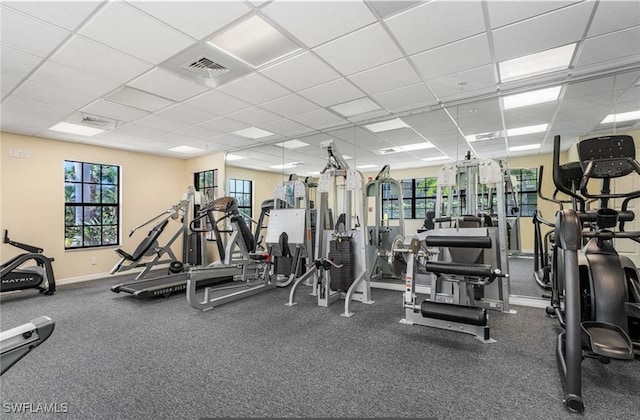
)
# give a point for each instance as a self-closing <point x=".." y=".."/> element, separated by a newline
<point x="32" y="197"/>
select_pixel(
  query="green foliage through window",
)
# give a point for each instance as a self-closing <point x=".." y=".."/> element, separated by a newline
<point x="91" y="195"/>
<point x="241" y="189"/>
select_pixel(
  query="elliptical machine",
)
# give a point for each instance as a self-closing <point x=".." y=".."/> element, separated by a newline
<point x="15" y="276"/>
<point x="601" y="291"/>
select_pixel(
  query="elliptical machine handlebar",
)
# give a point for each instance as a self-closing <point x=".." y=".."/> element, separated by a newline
<point x="557" y="178"/>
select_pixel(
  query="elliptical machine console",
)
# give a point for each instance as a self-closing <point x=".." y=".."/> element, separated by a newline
<point x="15" y="275"/>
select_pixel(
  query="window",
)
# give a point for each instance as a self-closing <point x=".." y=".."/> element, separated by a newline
<point x="241" y="189"/>
<point x="207" y="182"/>
<point x="527" y="187"/>
<point x="91" y="210"/>
<point x="418" y="197"/>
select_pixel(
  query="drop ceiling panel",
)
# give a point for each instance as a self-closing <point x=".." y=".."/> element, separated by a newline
<point x="387" y="8"/>
<point x="568" y="26"/>
<point x="68" y="15"/>
<point x="372" y="43"/>
<point x="613" y="15"/>
<point x="430" y="25"/>
<point x="188" y="16"/>
<point x="526" y="139"/>
<point x="17" y="64"/>
<point x="454" y="58"/>
<point x="95" y="58"/>
<point x="224" y="125"/>
<point x="300" y="72"/>
<point x="335" y="92"/>
<point x="253" y="116"/>
<point x="164" y="124"/>
<point x="285" y="127"/>
<point x="138" y="99"/>
<point x="217" y="102"/>
<point x="354" y="134"/>
<point x="186" y="114"/>
<point x="28" y="35"/>
<point x="254" y="89"/>
<point x="8" y="83"/>
<point x="289" y="105"/>
<point x="115" y="111"/>
<point x="67" y="78"/>
<point x="31" y="113"/>
<point x="318" y="119"/>
<point x="543" y="112"/>
<point x="162" y="83"/>
<point x="505" y="12"/>
<point x="623" y="44"/>
<point x="127" y="29"/>
<point x="412" y="96"/>
<point x="314" y="23"/>
<point x="138" y="131"/>
<point x="50" y="95"/>
<point x="401" y="137"/>
<point x="427" y="118"/>
<point x="385" y="77"/>
<point x="464" y="84"/>
<point x="198" y="132"/>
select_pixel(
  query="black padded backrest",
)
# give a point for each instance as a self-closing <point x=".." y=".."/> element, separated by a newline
<point x="222" y="204"/>
<point x="152" y="237"/>
<point x="609" y="155"/>
<point x="429" y="223"/>
<point x="467" y="255"/>
<point x="247" y="237"/>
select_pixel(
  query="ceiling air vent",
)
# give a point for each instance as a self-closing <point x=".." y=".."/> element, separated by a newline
<point x="387" y="151"/>
<point x="487" y="136"/>
<point x="205" y="67"/>
<point x="95" y="122"/>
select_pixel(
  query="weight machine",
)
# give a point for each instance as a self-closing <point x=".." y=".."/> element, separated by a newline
<point x="339" y="269"/>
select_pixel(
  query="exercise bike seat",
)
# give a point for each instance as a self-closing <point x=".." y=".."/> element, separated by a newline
<point x="607" y="340"/>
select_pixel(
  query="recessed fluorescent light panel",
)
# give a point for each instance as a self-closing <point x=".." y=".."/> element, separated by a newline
<point x="81" y="130"/>
<point x="625" y="116"/>
<point x="357" y="107"/>
<point x="530" y="129"/>
<point x="229" y="157"/>
<point x="292" y="144"/>
<point x="138" y="99"/>
<point x="531" y="98"/>
<point x="534" y="64"/>
<point x="255" y="42"/>
<point x="253" y="133"/>
<point x="286" y="165"/>
<point x="406" y="148"/>
<point x="366" y="166"/>
<point x="524" y="147"/>
<point x="347" y="157"/>
<point x="185" y="149"/>
<point x="386" y="125"/>
<point x="435" y="158"/>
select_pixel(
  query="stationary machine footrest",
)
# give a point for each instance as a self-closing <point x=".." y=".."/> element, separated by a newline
<point x="607" y="340"/>
<point x="454" y="313"/>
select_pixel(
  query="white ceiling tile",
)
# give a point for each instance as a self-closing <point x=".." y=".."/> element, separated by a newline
<point x="115" y="111"/>
<point x="68" y="78"/>
<point x="505" y="12"/>
<point x="176" y="139"/>
<point x="318" y="119"/>
<point x="7" y="84"/>
<point x="405" y="98"/>
<point x="453" y="58"/>
<point x="162" y="83"/>
<point x="89" y="56"/>
<point x="430" y="25"/>
<point x="544" y="112"/>
<point x="568" y="26"/>
<point x="130" y="30"/>
<point x="390" y="7"/>
<point x="289" y="105"/>
<point x="163" y="124"/>
<point x="66" y="14"/>
<point x="196" y="18"/>
<point x="254" y="89"/>
<point x="614" y="15"/>
<point x="138" y="99"/>
<point x="17" y="64"/>
<point x="134" y="130"/>
<point x="314" y="23"/>
<point x="217" y="102"/>
<point x="198" y="132"/>
<point x="186" y="114"/>
<point x="385" y="77"/>
<point x="50" y="95"/>
<point x="28" y="35"/>
<point x="464" y="84"/>
<point x="612" y="46"/>
<point x="301" y="72"/>
<point x="332" y="93"/>
<point x="31" y="113"/>
<point x="18" y="128"/>
<point x="285" y="127"/>
<point x="253" y="116"/>
<point x="224" y="125"/>
<point x="373" y="46"/>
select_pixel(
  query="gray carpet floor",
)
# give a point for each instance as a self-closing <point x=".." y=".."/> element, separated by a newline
<point x="115" y="357"/>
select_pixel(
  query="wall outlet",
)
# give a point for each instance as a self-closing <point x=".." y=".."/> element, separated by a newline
<point x="94" y="260"/>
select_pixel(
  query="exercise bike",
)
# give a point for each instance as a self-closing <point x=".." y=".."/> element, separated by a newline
<point x="15" y="276"/>
<point x="600" y="288"/>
